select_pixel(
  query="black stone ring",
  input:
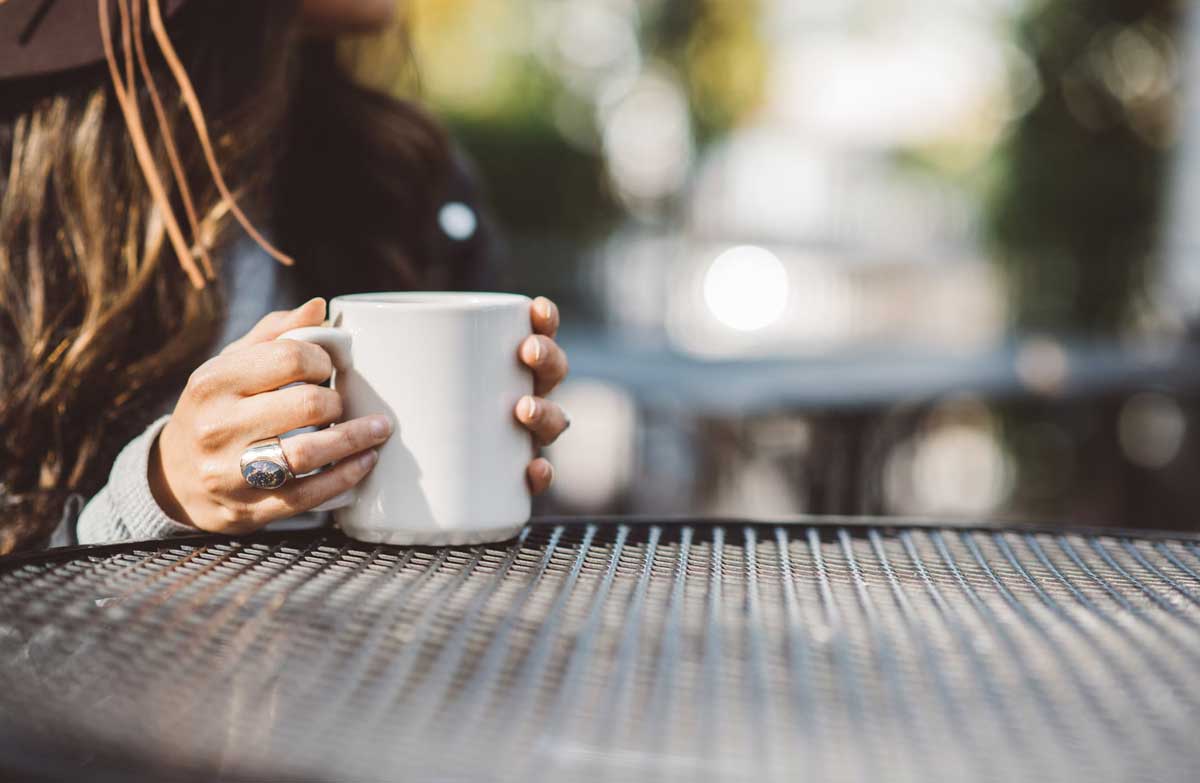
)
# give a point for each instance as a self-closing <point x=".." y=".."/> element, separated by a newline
<point x="264" y="465"/>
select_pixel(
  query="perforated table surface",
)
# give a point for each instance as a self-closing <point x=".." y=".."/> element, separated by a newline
<point x="618" y="650"/>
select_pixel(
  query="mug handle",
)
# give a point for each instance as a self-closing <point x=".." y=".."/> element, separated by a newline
<point x="336" y="343"/>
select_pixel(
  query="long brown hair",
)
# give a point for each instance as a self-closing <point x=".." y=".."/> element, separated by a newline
<point x="98" y="321"/>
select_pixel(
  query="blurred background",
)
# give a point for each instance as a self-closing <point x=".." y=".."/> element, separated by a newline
<point x="921" y="257"/>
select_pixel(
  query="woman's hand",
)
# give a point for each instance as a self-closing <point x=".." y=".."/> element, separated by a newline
<point x="549" y="364"/>
<point x="237" y="398"/>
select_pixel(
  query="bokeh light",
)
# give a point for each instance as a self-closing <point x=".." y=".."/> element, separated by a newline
<point x="1042" y="365"/>
<point x="593" y="44"/>
<point x="954" y="465"/>
<point x="647" y="138"/>
<point x="1151" y="429"/>
<point x="457" y="220"/>
<point x="746" y="288"/>
<point x="910" y="81"/>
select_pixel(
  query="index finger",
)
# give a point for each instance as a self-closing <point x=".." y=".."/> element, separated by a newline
<point x="271" y="325"/>
<point x="544" y="316"/>
<point x="266" y="367"/>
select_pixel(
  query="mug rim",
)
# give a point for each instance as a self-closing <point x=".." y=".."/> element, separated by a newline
<point x="439" y="300"/>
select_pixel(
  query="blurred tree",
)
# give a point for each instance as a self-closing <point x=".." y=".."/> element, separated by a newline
<point x="479" y="67"/>
<point x="718" y="47"/>
<point x="495" y="71"/>
<point x="1075" y="212"/>
<point x="524" y="87"/>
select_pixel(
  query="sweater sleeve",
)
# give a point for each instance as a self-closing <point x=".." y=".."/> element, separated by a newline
<point x="125" y="509"/>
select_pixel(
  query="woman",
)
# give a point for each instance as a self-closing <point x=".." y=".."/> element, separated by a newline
<point x="121" y="266"/>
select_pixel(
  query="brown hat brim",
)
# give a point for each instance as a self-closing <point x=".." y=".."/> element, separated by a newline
<point x="41" y="37"/>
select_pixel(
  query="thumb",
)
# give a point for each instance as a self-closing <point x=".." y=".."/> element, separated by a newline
<point x="311" y="313"/>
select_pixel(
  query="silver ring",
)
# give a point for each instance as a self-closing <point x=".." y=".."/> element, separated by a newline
<point x="264" y="465"/>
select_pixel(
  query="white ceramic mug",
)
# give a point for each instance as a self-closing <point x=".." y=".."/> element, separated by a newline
<point x="444" y="367"/>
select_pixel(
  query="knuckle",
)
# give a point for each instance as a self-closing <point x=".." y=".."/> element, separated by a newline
<point x="296" y="500"/>
<point x="231" y="515"/>
<point x="290" y="357"/>
<point x="324" y="362"/>
<point x="239" y="518"/>
<point x="211" y="479"/>
<point x="210" y="432"/>
<point x="555" y="356"/>
<point x="299" y="455"/>
<point x="309" y="403"/>
<point x="204" y="381"/>
<point x="318" y="404"/>
<point x="349" y="439"/>
<point x="297" y="504"/>
<point x="334" y="402"/>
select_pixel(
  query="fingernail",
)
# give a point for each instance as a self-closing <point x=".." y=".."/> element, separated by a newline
<point x="368" y="458"/>
<point x="535" y="350"/>
<point x="529" y="408"/>
<point x="543" y="307"/>
<point x="380" y="426"/>
<point x="549" y="473"/>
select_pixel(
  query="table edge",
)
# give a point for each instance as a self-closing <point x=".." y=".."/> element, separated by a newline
<point x="829" y="522"/>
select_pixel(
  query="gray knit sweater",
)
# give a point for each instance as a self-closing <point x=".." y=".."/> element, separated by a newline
<point x="125" y="510"/>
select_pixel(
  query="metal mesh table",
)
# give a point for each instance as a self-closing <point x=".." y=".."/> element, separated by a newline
<point x="823" y="650"/>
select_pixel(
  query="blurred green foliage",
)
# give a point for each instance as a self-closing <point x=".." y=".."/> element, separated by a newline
<point x="1076" y="210"/>
<point x="536" y="180"/>
<point x="489" y="70"/>
<point x="719" y="49"/>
